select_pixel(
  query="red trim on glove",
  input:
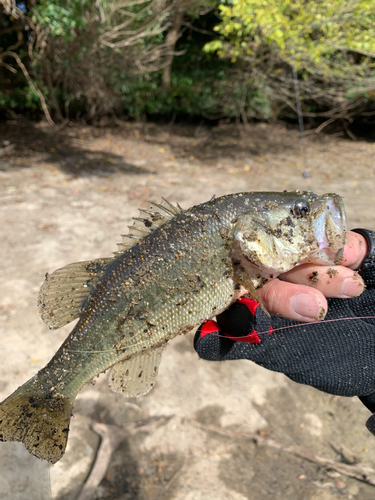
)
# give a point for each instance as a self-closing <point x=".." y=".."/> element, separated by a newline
<point x="252" y="337"/>
<point x="209" y="327"/>
<point x="251" y="304"/>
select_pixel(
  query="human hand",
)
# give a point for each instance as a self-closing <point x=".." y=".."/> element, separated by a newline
<point x="336" y="356"/>
<point x="300" y="294"/>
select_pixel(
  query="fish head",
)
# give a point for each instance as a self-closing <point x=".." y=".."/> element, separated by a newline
<point x="287" y="229"/>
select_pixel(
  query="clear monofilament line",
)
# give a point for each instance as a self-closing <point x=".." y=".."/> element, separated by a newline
<point x="258" y="333"/>
<point x="306" y="173"/>
<point x="297" y="326"/>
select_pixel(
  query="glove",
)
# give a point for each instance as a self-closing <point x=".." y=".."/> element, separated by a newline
<point x="335" y="356"/>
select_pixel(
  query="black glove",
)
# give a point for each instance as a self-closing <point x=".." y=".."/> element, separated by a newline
<point x="337" y="357"/>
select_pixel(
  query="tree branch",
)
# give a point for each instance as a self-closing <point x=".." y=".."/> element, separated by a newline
<point x="32" y="85"/>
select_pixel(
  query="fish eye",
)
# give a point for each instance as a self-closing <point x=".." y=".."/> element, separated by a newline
<point x="301" y="208"/>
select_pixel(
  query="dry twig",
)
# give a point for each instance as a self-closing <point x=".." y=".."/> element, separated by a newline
<point x="111" y="436"/>
<point x="362" y="472"/>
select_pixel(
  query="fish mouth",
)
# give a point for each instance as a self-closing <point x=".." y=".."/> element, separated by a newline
<point x="330" y="230"/>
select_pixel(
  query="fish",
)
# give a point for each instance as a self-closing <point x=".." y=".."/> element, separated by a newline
<point x="174" y="270"/>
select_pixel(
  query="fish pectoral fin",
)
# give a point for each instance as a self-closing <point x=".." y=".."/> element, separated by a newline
<point x="246" y="282"/>
<point x="64" y="292"/>
<point x="255" y="296"/>
<point x="136" y="376"/>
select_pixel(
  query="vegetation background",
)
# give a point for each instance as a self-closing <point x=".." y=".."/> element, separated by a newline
<point x="80" y="84"/>
<point x="83" y="60"/>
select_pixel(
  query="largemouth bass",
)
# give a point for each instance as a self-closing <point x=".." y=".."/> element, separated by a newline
<point x="175" y="269"/>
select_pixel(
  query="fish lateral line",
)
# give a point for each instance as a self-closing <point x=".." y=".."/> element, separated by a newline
<point x="114" y="349"/>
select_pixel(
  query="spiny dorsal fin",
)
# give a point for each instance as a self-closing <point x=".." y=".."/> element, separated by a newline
<point x="149" y="220"/>
<point x="167" y="207"/>
<point x="136" y="376"/>
<point x="64" y="292"/>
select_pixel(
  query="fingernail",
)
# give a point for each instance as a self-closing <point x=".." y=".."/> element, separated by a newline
<point x="351" y="287"/>
<point x="307" y="307"/>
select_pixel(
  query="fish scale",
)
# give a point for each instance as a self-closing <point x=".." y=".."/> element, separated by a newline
<point x="184" y="268"/>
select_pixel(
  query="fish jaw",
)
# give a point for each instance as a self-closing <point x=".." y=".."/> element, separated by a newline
<point x="330" y="229"/>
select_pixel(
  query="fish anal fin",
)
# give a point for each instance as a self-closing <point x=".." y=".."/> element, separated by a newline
<point x="136" y="376"/>
<point x="64" y="292"/>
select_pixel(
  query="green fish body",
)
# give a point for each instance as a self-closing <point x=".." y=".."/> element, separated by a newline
<point x="176" y="269"/>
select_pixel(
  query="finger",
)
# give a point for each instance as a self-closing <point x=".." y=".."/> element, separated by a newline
<point x="355" y="250"/>
<point x="292" y="301"/>
<point x="333" y="281"/>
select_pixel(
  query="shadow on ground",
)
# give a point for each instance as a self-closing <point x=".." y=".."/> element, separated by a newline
<point x="80" y="151"/>
<point x="63" y="148"/>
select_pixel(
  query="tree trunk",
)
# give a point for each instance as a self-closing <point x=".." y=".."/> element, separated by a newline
<point x="170" y="42"/>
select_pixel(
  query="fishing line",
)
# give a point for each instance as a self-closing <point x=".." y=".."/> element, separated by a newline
<point x="239" y="338"/>
<point x="306" y="173"/>
<point x="294" y="326"/>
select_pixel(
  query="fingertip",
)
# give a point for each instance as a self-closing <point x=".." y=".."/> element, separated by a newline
<point x="352" y="287"/>
<point x="355" y="250"/>
<point x="308" y="307"/>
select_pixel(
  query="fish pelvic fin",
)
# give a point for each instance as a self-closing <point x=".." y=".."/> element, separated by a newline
<point x="38" y="419"/>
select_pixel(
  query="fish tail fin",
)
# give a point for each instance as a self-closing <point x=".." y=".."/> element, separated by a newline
<point x="38" y="418"/>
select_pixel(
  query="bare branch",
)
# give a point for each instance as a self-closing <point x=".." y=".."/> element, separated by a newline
<point x="119" y="37"/>
<point x="11" y="9"/>
<point x="32" y="85"/>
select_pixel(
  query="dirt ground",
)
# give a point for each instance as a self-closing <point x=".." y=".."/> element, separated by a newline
<point x="66" y="196"/>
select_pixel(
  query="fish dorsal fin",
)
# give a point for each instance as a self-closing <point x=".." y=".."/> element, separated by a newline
<point x="136" y="376"/>
<point x="148" y="220"/>
<point x="64" y="292"/>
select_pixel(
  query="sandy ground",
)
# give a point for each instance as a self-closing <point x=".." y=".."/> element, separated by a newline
<point x="67" y="196"/>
